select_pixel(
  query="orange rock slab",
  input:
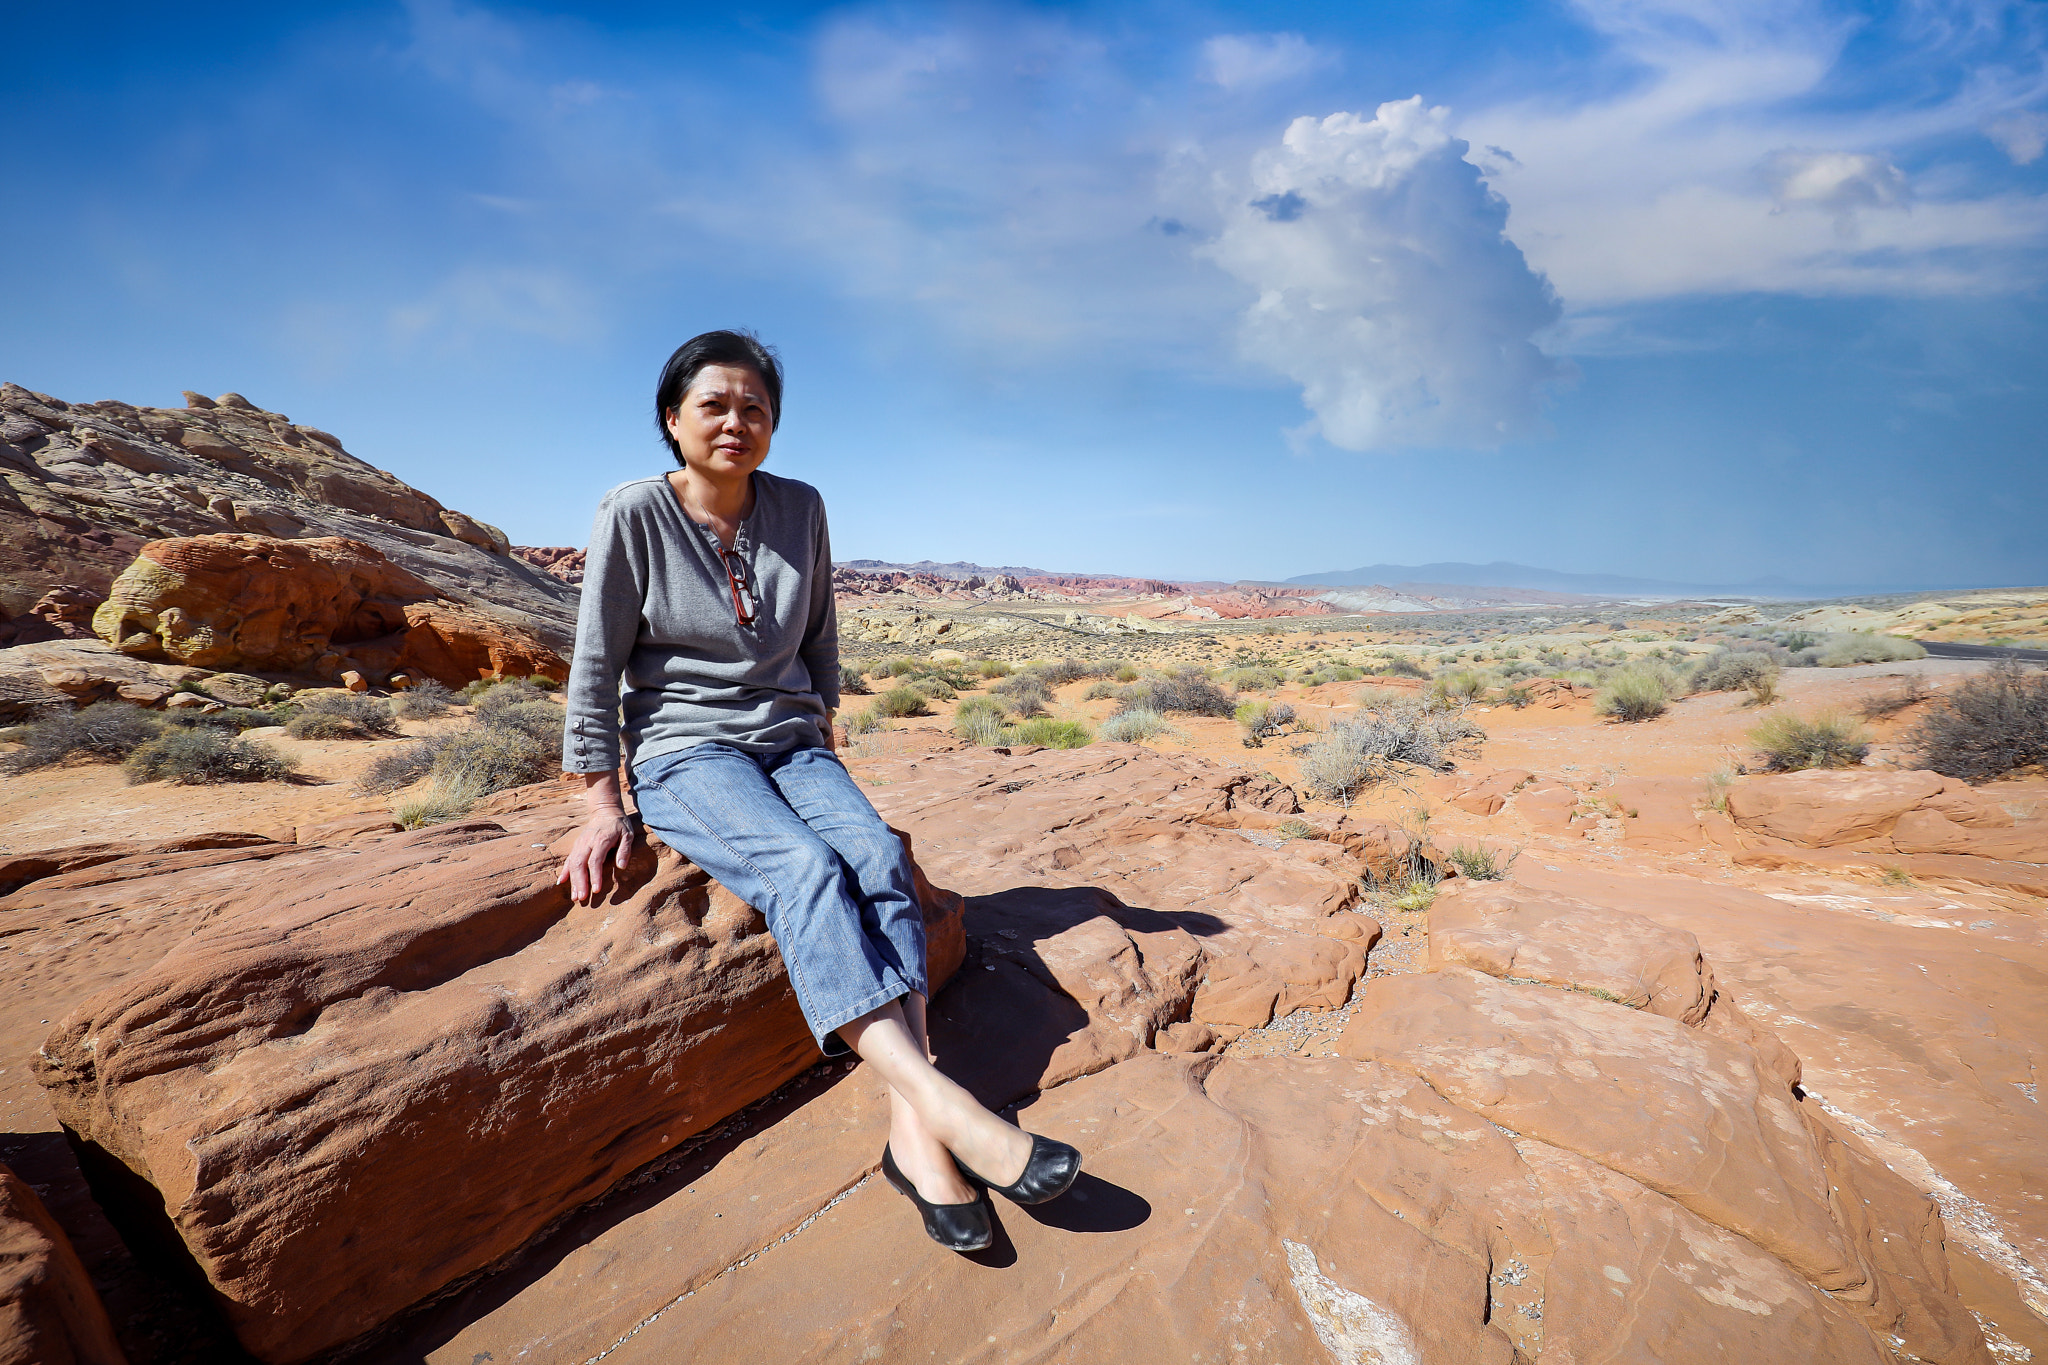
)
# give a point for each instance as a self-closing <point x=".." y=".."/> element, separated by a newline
<point x="394" y="1062"/>
<point x="49" y="1311"/>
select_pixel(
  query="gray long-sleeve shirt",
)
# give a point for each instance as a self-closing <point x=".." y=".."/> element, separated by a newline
<point x="657" y="608"/>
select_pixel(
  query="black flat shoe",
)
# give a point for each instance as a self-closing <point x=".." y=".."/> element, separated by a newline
<point x="956" y="1227"/>
<point x="1051" y="1169"/>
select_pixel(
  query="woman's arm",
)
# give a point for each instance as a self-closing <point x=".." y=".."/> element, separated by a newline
<point x="606" y="839"/>
<point x="607" y="625"/>
<point x="820" y="649"/>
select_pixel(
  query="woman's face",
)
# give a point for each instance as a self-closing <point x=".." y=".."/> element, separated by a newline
<point x="723" y="423"/>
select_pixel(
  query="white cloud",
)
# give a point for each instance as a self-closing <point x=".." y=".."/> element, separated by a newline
<point x="1248" y="61"/>
<point x="1722" y="118"/>
<point x="1386" y="286"/>
<point x="2021" y="135"/>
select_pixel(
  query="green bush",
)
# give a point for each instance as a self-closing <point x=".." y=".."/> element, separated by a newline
<point x="852" y="682"/>
<point x="1867" y="647"/>
<point x="1367" y="698"/>
<point x="903" y="701"/>
<point x="1135" y="726"/>
<point x="1399" y="668"/>
<point x="1253" y="679"/>
<point x="934" y="688"/>
<point x="867" y="722"/>
<point x="1053" y="734"/>
<point x="1457" y="684"/>
<point x="1788" y="743"/>
<point x="538" y="719"/>
<point x="105" y="732"/>
<point x="1102" y="689"/>
<point x="1987" y="726"/>
<point x="1330" y="673"/>
<point x="991" y="668"/>
<point x="1479" y="862"/>
<point x="431" y="807"/>
<point x="1262" y="719"/>
<point x="1125" y="673"/>
<point x="401" y="766"/>
<point x="980" y="720"/>
<point x="203" y="756"/>
<point x="426" y="699"/>
<point x="1634" y="694"/>
<point x="1064" y="671"/>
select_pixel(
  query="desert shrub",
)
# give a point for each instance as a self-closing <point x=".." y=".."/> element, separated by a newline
<point x="1732" y="670"/>
<point x="1296" y="829"/>
<point x="1358" y="752"/>
<point x="1787" y="743"/>
<point x="1135" y="726"/>
<point x="203" y="756"/>
<point x="934" y="688"/>
<point x="991" y="668"/>
<point x="105" y="732"/>
<point x="900" y="668"/>
<point x="1253" y="679"/>
<point x="1125" y="673"/>
<point x="491" y="758"/>
<point x="341" y="715"/>
<point x="1053" y="734"/>
<point x="1479" y="862"/>
<point x="1987" y="726"/>
<point x="1330" y="673"/>
<point x="1457" y="684"/>
<point x="1369" y="697"/>
<point x="979" y="720"/>
<point x="1911" y="691"/>
<point x="1187" y="691"/>
<point x="1263" y="719"/>
<point x="231" y="718"/>
<point x="1718" y="783"/>
<point x="903" y="701"/>
<point x="1399" y="668"/>
<point x="868" y="721"/>
<point x="1416" y="893"/>
<point x="1634" y="694"/>
<point x="510" y="692"/>
<point x="852" y="682"/>
<point x="1059" y="673"/>
<point x="1102" y="689"/>
<point x="539" y="720"/>
<point x="424" y="700"/>
<point x="431" y="807"/>
<point x="1024" y="693"/>
<point x="401" y="766"/>
<point x="1866" y="647"/>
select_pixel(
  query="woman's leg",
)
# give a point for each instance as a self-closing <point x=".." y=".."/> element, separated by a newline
<point x="933" y="1118"/>
<point x="715" y="806"/>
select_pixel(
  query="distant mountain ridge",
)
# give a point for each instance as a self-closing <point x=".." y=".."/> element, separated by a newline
<point x="956" y="569"/>
<point x="1502" y="574"/>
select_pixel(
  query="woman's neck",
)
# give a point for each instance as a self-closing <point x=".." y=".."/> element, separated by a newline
<point x="722" y="504"/>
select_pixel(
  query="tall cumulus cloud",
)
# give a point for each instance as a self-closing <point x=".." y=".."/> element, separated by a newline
<point x="1387" y="286"/>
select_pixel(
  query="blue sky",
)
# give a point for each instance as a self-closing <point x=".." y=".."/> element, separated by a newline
<point x="1708" y="290"/>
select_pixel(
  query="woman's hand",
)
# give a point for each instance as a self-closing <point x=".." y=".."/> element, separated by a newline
<point x="606" y="840"/>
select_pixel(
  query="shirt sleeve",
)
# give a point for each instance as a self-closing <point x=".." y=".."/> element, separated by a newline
<point x="821" y="633"/>
<point x="607" y="625"/>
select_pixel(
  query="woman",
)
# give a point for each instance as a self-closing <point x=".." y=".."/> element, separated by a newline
<point x="710" y="589"/>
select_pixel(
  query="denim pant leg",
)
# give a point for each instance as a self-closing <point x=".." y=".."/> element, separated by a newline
<point x="713" y="804"/>
<point x="821" y="792"/>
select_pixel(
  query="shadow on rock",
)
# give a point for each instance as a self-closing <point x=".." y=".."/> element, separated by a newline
<point x="1094" y="1205"/>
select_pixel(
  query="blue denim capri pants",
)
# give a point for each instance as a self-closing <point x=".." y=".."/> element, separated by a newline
<point x="793" y="836"/>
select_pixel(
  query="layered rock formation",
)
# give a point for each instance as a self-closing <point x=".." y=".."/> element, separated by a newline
<point x="49" y="1312"/>
<point x="320" y="607"/>
<point x="83" y="486"/>
<point x="294" y="1079"/>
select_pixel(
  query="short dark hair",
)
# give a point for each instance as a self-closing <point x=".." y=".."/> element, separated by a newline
<point x="715" y="348"/>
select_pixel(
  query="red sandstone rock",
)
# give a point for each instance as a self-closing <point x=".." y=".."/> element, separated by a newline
<point x="395" y="1062"/>
<point x="1820" y="809"/>
<point x="1504" y="930"/>
<point x="49" y="1312"/>
<point x="323" y="606"/>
